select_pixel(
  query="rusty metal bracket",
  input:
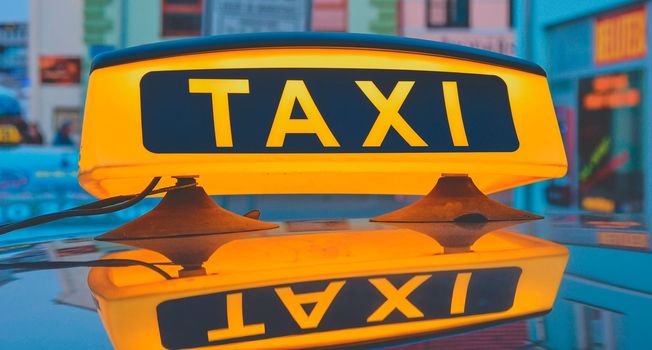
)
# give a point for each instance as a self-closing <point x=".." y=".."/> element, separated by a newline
<point x="187" y="213"/>
<point x="455" y="198"/>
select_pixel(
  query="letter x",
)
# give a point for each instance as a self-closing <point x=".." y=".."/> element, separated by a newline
<point x="396" y="298"/>
<point x="389" y="116"/>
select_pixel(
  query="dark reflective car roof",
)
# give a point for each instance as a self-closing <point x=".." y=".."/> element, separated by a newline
<point x="608" y="268"/>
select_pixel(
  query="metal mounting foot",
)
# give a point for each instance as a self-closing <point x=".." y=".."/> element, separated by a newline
<point x="455" y="198"/>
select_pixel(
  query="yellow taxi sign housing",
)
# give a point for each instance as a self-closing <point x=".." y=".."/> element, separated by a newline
<point x="316" y="113"/>
<point x="370" y="284"/>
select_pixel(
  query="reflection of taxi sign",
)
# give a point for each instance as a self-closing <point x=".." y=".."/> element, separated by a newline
<point x="287" y="112"/>
<point x="373" y="284"/>
<point x="338" y="304"/>
<point x="9" y="134"/>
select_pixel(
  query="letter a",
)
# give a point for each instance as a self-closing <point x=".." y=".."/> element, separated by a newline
<point x="293" y="302"/>
<point x="296" y="90"/>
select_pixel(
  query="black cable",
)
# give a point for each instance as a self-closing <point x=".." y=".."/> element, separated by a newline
<point x="122" y="198"/>
<point x="104" y="206"/>
<point x="49" y="265"/>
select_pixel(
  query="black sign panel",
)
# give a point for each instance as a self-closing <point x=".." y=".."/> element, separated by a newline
<point x="176" y="120"/>
<point x="267" y="312"/>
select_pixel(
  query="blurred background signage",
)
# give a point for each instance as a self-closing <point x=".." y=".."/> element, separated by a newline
<point x="612" y="91"/>
<point x="13" y="53"/>
<point x="181" y="17"/>
<point x="60" y="70"/>
<point x="610" y="142"/>
<point x="96" y="22"/>
<point x="620" y="36"/>
<point x="250" y="16"/>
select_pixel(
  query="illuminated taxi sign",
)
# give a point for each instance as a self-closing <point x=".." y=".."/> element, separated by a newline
<point x="275" y="311"/>
<point x="324" y="111"/>
<point x="316" y="113"/>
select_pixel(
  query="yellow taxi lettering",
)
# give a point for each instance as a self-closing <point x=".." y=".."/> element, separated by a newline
<point x="454" y="113"/>
<point x="220" y="90"/>
<point x="293" y="303"/>
<point x="236" y="328"/>
<point x="460" y="288"/>
<point x="389" y="116"/>
<point x="296" y="91"/>
<point x="396" y="298"/>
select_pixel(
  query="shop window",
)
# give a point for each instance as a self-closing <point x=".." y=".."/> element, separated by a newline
<point x="610" y="142"/>
<point x="181" y="17"/>
<point x="447" y="13"/>
<point x="67" y="122"/>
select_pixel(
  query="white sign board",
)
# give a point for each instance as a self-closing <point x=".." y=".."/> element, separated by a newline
<point x="251" y="16"/>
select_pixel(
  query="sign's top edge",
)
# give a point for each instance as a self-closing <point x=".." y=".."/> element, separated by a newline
<point x="307" y="39"/>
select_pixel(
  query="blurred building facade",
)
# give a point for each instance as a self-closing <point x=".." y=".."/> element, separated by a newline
<point x="483" y="24"/>
<point x="54" y="64"/>
<point x="247" y="16"/>
<point x="65" y="35"/>
<point x="597" y="58"/>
